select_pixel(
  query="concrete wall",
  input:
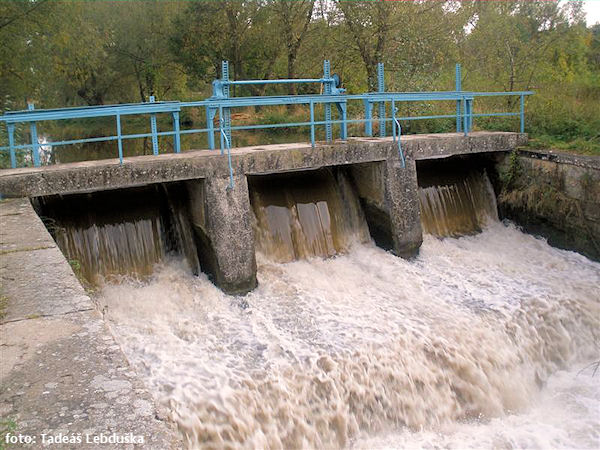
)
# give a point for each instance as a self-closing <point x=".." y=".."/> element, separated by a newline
<point x="554" y="195"/>
<point x="221" y="216"/>
<point x="61" y="369"/>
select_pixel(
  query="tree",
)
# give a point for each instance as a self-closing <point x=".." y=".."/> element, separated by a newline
<point x="237" y="31"/>
<point x="295" y="18"/>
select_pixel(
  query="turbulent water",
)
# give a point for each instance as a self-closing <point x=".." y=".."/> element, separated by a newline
<point x="475" y="343"/>
<point x="478" y="342"/>
<point x="111" y="233"/>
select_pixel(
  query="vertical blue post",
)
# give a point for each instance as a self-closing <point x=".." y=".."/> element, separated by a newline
<point x="35" y="145"/>
<point x="458" y="83"/>
<point x="221" y="130"/>
<point x="176" y="136"/>
<point x="153" y="129"/>
<point x="470" y="113"/>
<point x="312" y="124"/>
<point x="368" y="118"/>
<point x="381" y="88"/>
<point x="11" y="144"/>
<point x="225" y="113"/>
<point x="210" y="115"/>
<point x="522" y="114"/>
<point x="119" y="139"/>
<point x="327" y="91"/>
<point x="342" y="109"/>
<point x="465" y="116"/>
<point x="393" y="121"/>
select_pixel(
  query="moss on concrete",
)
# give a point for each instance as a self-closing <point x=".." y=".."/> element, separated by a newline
<point x="556" y="200"/>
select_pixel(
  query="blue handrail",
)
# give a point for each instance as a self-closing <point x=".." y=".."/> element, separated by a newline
<point x="221" y="104"/>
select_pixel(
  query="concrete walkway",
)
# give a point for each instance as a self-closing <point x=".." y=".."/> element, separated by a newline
<point x="61" y="370"/>
<point x="264" y="159"/>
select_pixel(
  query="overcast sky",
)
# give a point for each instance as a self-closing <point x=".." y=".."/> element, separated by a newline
<point x="592" y="9"/>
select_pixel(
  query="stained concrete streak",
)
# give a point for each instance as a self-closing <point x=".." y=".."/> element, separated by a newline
<point x="62" y="371"/>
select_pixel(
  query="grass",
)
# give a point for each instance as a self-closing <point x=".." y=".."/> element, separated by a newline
<point x="579" y="146"/>
<point x="3" y="305"/>
<point x="7" y="426"/>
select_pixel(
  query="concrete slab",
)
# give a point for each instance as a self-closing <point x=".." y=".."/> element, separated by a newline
<point x="62" y="371"/>
<point x="140" y="170"/>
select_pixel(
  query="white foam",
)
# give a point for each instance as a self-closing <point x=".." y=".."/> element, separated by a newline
<point x="366" y="349"/>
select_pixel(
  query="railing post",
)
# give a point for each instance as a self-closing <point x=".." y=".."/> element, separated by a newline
<point x="381" y="89"/>
<point x="393" y="121"/>
<point x="458" y="84"/>
<point x="11" y="144"/>
<point x="225" y="112"/>
<point x="222" y="132"/>
<point x="327" y="91"/>
<point x="368" y="118"/>
<point x="342" y="110"/>
<point x="465" y="116"/>
<point x="153" y="130"/>
<point x="470" y="113"/>
<point x="312" y="124"/>
<point x="210" y="115"/>
<point x="176" y="136"/>
<point x="119" y="138"/>
<point x="35" y="145"/>
<point x="522" y="114"/>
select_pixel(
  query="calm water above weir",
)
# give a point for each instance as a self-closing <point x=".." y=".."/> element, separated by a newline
<point x="476" y="343"/>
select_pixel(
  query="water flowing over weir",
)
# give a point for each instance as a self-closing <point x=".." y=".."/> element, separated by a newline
<point x="309" y="214"/>
<point x="480" y="335"/>
<point x="457" y="205"/>
<point x="123" y="232"/>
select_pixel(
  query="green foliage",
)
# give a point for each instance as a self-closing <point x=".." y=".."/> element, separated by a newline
<point x="282" y="116"/>
<point x="67" y="52"/>
<point x="509" y="175"/>
<point x="7" y="425"/>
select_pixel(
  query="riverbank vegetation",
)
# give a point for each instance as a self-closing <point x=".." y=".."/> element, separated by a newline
<point x="65" y="53"/>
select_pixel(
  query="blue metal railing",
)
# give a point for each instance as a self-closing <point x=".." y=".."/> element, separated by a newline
<point x="221" y="103"/>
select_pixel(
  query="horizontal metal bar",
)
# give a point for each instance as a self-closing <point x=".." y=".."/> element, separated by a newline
<point x="165" y="107"/>
<point x="280" y="81"/>
<point x="497" y="114"/>
<point x="251" y="127"/>
<point x="37" y="115"/>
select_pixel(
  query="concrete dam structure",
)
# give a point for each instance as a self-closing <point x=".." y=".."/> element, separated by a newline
<point x="184" y="203"/>
<point x="365" y="292"/>
<point x="332" y="297"/>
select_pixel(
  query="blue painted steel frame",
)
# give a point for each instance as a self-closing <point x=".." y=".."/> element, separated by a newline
<point x="221" y="103"/>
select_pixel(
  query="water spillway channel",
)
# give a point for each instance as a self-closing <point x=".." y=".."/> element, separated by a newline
<point x="475" y="343"/>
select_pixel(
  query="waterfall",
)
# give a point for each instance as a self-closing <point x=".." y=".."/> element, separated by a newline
<point x="459" y="205"/>
<point x="304" y="215"/>
<point x="111" y="233"/>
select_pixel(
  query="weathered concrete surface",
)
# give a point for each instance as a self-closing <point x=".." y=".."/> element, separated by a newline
<point x="222" y="222"/>
<point x="62" y="370"/>
<point x="389" y="197"/>
<point x="403" y="199"/>
<point x="140" y="170"/>
<point x="554" y="195"/>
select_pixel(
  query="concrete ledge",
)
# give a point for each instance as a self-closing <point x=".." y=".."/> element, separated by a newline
<point x="140" y="170"/>
<point x="62" y="370"/>
<point x="588" y="162"/>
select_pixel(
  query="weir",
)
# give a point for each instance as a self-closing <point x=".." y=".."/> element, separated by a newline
<point x="343" y="348"/>
<point x="344" y="337"/>
<point x="307" y="198"/>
